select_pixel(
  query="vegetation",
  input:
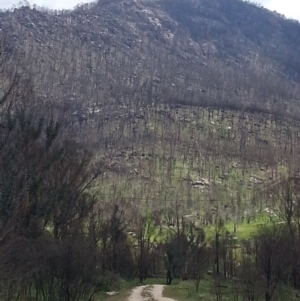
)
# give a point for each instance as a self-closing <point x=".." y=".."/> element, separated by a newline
<point x="124" y="163"/>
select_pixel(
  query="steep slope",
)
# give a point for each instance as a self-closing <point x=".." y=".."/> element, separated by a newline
<point x="240" y="31"/>
<point x="158" y="90"/>
<point x="210" y="53"/>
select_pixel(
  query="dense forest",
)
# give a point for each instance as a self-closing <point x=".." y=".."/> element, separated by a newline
<point x="149" y="140"/>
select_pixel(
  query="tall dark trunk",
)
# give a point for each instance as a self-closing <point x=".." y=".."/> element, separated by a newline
<point x="268" y="296"/>
<point x="217" y="254"/>
<point x="169" y="277"/>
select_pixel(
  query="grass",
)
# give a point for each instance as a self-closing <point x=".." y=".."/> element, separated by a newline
<point x="157" y="161"/>
<point x="244" y="230"/>
<point x="185" y="291"/>
<point x="162" y="153"/>
<point x="189" y="157"/>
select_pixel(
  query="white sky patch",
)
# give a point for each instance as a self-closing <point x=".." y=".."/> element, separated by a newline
<point x="53" y="4"/>
<point x="289" y="8"/>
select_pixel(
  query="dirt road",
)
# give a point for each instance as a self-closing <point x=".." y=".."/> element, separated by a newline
<point x="148" y="293"/>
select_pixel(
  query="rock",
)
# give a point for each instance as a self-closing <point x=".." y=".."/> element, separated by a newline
<point x="201" y="182"/>
<point x="256" y="180"/>
<point x="224" y="176"/>
<point x="270" y="212"/>
<point x="189" y="216"/>
<point x="205" y="181"/>
<point x="112" y="293"/>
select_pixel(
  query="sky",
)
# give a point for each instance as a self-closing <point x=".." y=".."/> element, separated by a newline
<point x="289" y="8"/>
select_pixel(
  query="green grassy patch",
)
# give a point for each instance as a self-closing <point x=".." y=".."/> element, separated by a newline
<point x="185" y="291"/>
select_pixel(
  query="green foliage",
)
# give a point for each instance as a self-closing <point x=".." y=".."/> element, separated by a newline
<point x="191" y="157"/>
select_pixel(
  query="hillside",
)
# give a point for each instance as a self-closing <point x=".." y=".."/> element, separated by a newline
<point x="210" y="53"/>
<point x="149" y="139"/>
<point x="170" y="95"/>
